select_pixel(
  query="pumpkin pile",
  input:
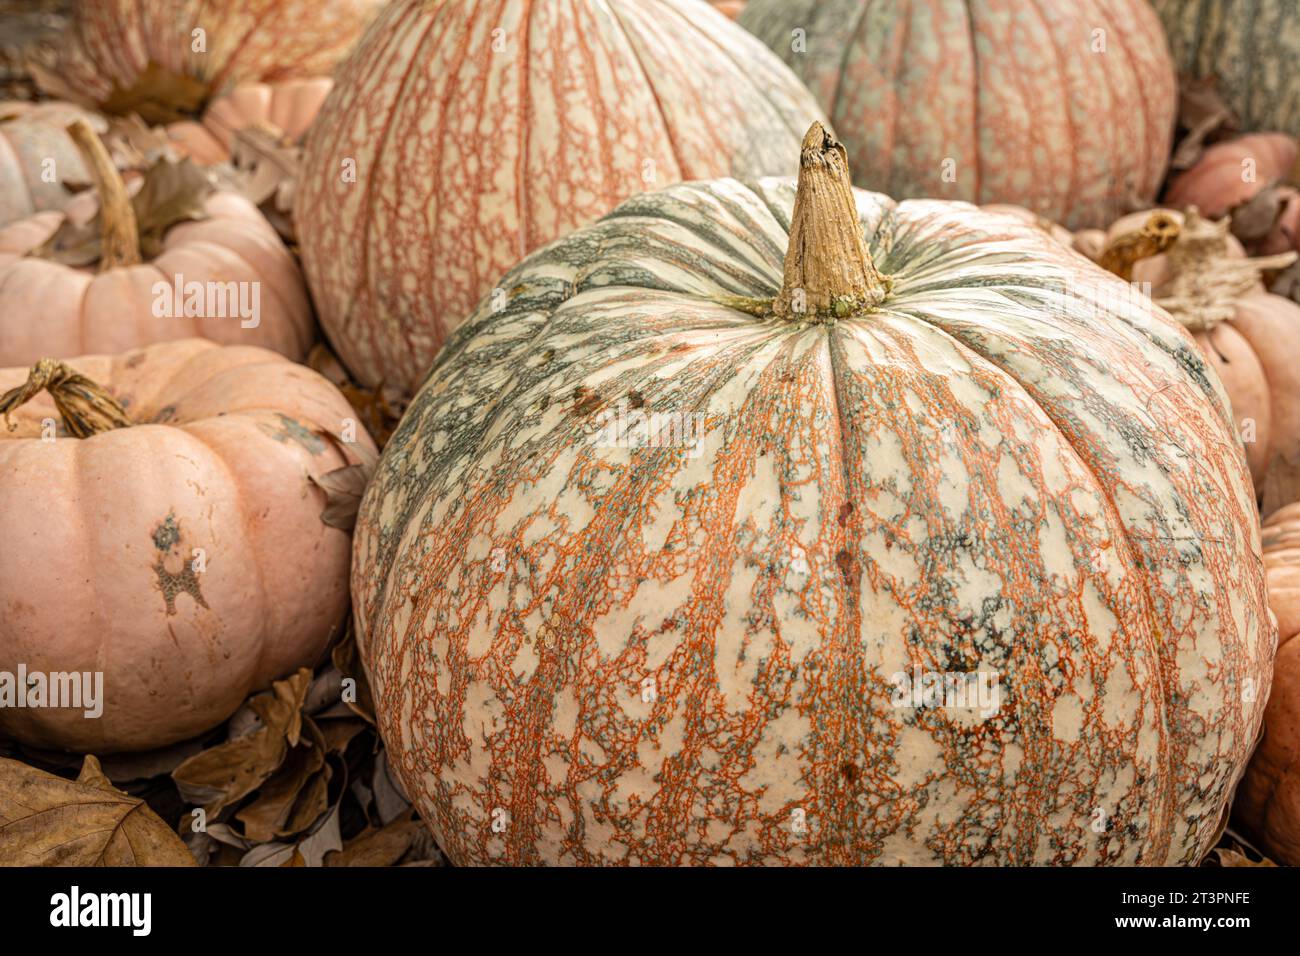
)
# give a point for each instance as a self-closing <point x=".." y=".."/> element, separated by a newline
<point x="651" y="432"/>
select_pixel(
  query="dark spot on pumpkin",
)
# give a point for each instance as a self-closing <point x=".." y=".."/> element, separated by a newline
<point x="585" y="401"/>
<point x="293" y="430"/>
<point x="548" y="355"/>
<point x="850" y="771"/>
<point x="134" y="359"/>
<point x="636" y="399"/>
<point x="165" y="414"/>
<point x="166" y="537"/>
<point x="545" y="403"/>
<point x="848" y="568"/>
<point x="846" y="509"/>
<point x="167" y="534"/>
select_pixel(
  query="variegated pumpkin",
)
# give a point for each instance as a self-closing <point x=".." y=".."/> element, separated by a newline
<point x="168" y="536"/>
<point x="1064" y="107"/>
<point x="1249" y="48"/>
<point x="159" y="57"/>
<point x="460" y="136"/>
<point x="938" y="549"/>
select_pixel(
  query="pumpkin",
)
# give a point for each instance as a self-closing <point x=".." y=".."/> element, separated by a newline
<point x="503" y="127"/>
<point x="933" y="548"/>
<point x="168" y="535"/>
<point x="732" y="8"/>
<point x="1197" y="271"/>
<point x="1248" y="48"/>
<point x="1063" y="108"/>
<point x="164" y="60"/>
<point x="226" y="277"/>
<point x="288" y="108"/>
<point x="1267" y="804"/>
<point x="1232" y="172"/>
<point x="33" y="135"/>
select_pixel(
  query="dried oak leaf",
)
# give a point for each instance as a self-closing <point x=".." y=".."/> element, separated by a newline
<point x="159" y="96"/>
<point x="49" y="821"/>
<point x="225" y="774"/>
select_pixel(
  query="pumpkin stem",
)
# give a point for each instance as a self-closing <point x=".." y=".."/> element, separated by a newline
<point x="1205" y="278"/>
<point x="828" y="270"/>
<point x="119" y="233"/>
<point x="87" y="409"/>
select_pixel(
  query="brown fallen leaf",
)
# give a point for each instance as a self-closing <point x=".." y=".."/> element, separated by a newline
<point x="1255" y="218"/>
<point x="347" y="659"/>
<point x="49" y="821"/>
<point x="1204" y="114"/>
<point x="378" y="847"/>
<point x="220" y="777"/>
<point x="1226" y="857"/>
<point x="171" y="192"/>
<point x="264" y="819"/>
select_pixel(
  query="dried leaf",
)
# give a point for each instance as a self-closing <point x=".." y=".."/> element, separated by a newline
<point x="171" y="192"/>
<point x="224" y="775"/>
<point x="1255" y="218"/>
<point x="49" y="821"/>
<point x="159" y="96"/>
<point x="1204" y="114"/>
<point x="347" y="660"/>
<point x="343" y="488"/>
<point x="390" y="802"/>
<point x="1225" y="857"/>
<point x="378" y="847"/>
<point x="265" y="818"/>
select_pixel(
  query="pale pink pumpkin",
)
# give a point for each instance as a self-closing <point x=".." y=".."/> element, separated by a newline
<point x="49" y="309"/>
<point x="102" y="534"/>
<point x="1064" y="107"/>
<point x="1267" y="804"/>
<point x="39" y="163"/>
<point x="459" y="136"/>
<point x="1231" y="172"/>
<point x="287" y="107"/>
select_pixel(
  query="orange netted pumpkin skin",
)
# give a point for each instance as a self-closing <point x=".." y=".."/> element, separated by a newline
<point x="645" y="570"/>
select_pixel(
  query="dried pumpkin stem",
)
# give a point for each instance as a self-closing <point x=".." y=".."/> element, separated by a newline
<point x="828" y="270"/>
<point x="86" y="407"/>
<point x="119" y="233"/>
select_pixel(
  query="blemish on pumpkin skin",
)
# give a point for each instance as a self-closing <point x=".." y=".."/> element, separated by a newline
<point x="166" y="536"/>
<point x="585" y="401"/>
<point x="293" y="430"/>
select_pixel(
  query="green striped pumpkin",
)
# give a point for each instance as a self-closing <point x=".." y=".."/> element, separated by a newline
<point x="1251" y="48"/>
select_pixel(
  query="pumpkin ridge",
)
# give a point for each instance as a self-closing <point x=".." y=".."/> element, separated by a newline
<point x="1072" y="187"/>
<point x="1144" y="102"/>
<point x="1121" y="531"/>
